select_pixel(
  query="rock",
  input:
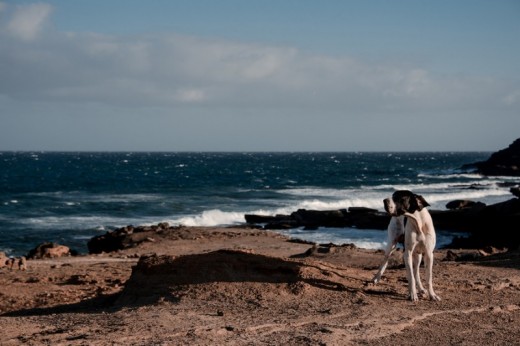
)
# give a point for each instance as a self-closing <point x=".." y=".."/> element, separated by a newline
<point x="451" y="256"/>
<point x="461" y="204"/>
<point x="3" y="259"/>
<point x="251" y="218"/>
<point x="49" y="250"/>
<point x="122" y="238"/>
<point x="216" y="274"/>
<point x="359" y="217"/>
<point x="130" y="236"/>
<point x="496" y="225"/>
<point x="515" y="191"/>
<point x="503" y="162"/>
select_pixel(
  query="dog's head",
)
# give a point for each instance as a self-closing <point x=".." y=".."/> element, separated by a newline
<point x="404" y="201"/>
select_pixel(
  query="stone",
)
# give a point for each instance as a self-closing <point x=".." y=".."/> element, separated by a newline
<point x="49" y="250"/>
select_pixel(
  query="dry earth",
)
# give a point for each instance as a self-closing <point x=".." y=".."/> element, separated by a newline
<point x="222" y="286"/>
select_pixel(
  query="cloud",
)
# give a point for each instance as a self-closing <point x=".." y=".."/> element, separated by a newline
<point x="27" y="21"/>
<point x="512" y="98"/>
<point x="172" y="70"/>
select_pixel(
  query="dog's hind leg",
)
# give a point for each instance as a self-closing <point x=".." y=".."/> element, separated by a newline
<point x="408" y="262"/>
<point x="428" y="263"/>
<point x="417" y="257"/>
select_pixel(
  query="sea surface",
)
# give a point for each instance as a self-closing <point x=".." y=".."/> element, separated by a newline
<point x="69" y="197"/>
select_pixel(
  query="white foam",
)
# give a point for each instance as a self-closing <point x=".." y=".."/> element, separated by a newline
<point x="212" y="217"/>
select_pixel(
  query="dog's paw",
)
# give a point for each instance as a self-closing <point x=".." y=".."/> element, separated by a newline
<point x="414" y="298"/>
<point x="435" y="297"/>
<point x="376" y="280"/>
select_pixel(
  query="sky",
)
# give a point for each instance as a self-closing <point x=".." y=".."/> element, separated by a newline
<point x="259" y="75"/>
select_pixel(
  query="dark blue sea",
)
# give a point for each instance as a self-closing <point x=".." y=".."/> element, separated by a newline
<point x="70" y="197"/>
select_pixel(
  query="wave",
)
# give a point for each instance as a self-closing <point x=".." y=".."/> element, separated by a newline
<point x="208" y="218"/>
<point x="98" y="223"/>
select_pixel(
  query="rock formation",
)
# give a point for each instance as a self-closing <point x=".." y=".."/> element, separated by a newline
<point x="503" y="162"/>
<point x="49" y="250"/>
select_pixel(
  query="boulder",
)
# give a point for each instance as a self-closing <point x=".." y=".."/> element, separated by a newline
<point x="461" y="204"/>
<point x="49" y="250"/>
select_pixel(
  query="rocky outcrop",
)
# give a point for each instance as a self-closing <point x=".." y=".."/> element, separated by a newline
<point x="216" y="274"/>
<point x="49" y="250"/>
<point x="363" y="218"/>
<point x="495" y="225"/>
<point x="124" y="238"/>
<point x="504" y="162"/>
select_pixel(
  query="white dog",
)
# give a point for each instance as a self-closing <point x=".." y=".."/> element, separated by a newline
<point x="411" y="221"/>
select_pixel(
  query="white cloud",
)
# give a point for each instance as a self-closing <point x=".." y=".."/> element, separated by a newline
<point x="190" y="95"/>
<point x="28" y="20"/>
<point x="170" y="70"/>
<point x="512" y="98"/>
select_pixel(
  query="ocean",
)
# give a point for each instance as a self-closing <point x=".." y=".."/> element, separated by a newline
<point x="69" y="197"/>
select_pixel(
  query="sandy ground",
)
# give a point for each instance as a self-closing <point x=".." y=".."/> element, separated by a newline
<point x="261" y="290"/>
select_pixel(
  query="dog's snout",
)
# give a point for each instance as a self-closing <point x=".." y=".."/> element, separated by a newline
<point x="389" y="206"/>
<point x="386" y="203"/>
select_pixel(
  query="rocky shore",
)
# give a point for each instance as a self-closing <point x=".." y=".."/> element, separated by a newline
<point x="175" y="285"/>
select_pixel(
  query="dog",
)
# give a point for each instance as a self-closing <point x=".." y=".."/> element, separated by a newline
<point x="412" y="223"/>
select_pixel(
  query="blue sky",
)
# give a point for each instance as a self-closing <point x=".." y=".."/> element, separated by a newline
<point x="259" y="75"/>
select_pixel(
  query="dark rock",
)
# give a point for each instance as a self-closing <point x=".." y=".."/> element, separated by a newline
<point x="359" y="217"/>
<point x="451" y="256"/>
<point x="122" y="238"/>
<point x="323" y="218"/>
<point x="503" y="162"/>
<point x="461" y="204"/>
<point x="515" y="191"/>
<point x="495" y="225"/>
<point x="252" y="218"/>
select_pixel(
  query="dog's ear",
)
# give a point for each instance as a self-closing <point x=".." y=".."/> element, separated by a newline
<point x="421" y="202"/>
<point x="404" y="201"/>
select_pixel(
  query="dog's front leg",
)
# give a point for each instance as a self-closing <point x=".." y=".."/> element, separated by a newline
<point x="408" y="253"/>
<point x="390" y="248"/>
